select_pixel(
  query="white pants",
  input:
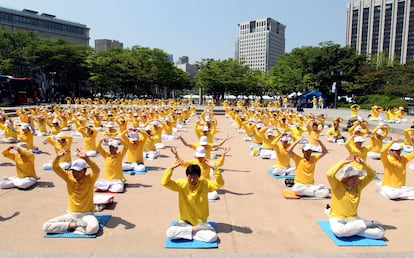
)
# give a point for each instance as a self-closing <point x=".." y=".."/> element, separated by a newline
<point x="267" y="154"/>
<point x="151" y="155"/>
<point x="127" y="166"/>
<point x="61" y="223"/>
<point x="22" y="183"/>
<point x="41" y="134"/>
<point x="168" y="137"/>
<point x="284" y="171"/>
<point x="183" y="230"/>
<point x="91" y="153"/>
<point x="373" y="155"/>
<point x="311" y="190"/>
<point x="115" y="186"/>
<point x="403" y="192"/>
<point x="356" y="226"/>
<point x="63" y="165"/>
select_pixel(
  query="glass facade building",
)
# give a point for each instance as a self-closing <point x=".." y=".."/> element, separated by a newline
<point x="381" y="26"/>
<point x="45" y="25"/>
<point x="260" y="43"/>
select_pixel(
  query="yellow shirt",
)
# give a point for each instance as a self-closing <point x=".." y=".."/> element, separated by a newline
<point x="354" y="150"/>
<point x="282" y="156"/>
<point x="344" y="202"/>
<point x="80" y="193"/>
<point x="135" y="150"/>
<point x="59" y="146"/>
<point x="24" y="162"/>
<point x="394" y="170"/>
<point x="89" y="140"/>
<point x="192" y="202"/>
<point x="112" y="163"/>
<point x="305" y="169"/>
<point x="27" y="138"/>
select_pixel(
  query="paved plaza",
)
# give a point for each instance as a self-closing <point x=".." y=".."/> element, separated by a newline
<point x="253" y="219"/>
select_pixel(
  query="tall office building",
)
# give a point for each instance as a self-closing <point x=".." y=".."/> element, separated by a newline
<point x="381" y="26"/>
<point x="260" y="43"/>
<point x="45" y="25"/>
<point x="183" y="60"/>
<point x="105" y="44"/>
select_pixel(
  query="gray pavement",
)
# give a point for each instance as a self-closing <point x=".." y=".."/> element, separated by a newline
<point x="253" y="219"/>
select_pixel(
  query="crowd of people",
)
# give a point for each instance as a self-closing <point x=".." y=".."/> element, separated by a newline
<point x="126" y="133"/>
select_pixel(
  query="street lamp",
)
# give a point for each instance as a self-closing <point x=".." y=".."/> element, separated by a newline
<point x="337" y="74"/>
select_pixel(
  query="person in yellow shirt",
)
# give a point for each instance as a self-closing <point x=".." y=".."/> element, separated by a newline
<point x="314" y="130"/>
<point x="314" y="102"/>
<point x="25" y="167"/>
<point x="354" y="145"/>
<point x="80" y="217"/>
<point x="304" y="182"/>
<point x="281" y="145"/>
<point x="89" y="134"/>
<point x="110" y="131"/>
<point x="193" y="206"/>
<point x="334" y="132"/>
<point x="203" y="142"/>
<point x="55" y="127"/>
<point x="60" y="142"/>
<point x="395" y="171"/>
<point x="10" y="133"/>
<point x="113" y="180"/>
<point x="347" y="186"/>
<point x="320" y="102"/>
<point x="375" y="113"/>
<point x="41" y="125"/>
<point x="134" y="141"/>
<point x="377" y="136"/>
<point x="354" y="110"/>
<point x="26" y="135"/>
<point x="200" y="160"/>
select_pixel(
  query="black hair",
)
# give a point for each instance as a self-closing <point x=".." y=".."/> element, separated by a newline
<point x="193" y="170"/>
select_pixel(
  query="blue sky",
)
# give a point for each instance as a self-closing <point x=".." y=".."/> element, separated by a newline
<point x="196" y="28"/>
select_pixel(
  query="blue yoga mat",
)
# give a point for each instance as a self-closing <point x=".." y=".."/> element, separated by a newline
<point x="133" y="172"/>
<point x="190" y="244"/>
<point x="102" y="219"/>
<point x="349" y="241"/>
<point x="279" y="177"/>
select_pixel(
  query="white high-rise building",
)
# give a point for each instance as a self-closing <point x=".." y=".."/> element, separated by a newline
<point x="260" y="43"/>
<point x="381" y="26"/>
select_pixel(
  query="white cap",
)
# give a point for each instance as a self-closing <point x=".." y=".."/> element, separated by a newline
<point x="78" y="165"/>
<point x="7" y="123"/>
<point x="55" y="121"/>
<point x="357" y="128"/>
<point x="307" y="147"/>
<point x="113" y="143"/>
<point x="24" y="126"/>
<point x="110" y="124"/>
<point x="59" y="136"/>
<point x="203" y="140"/>
<point x="200" y="152"/>
<point x="395" y="146"/>
<point x="285" y="139"/>
<point x="147" y="128"/>
<point x="80" y="117"/>
<point x="133" y="136"/>
<point x="380" y="132"/>
<point x="348" y="171"/>
<point x="358" y="139"/>
<point x="205" y="128"/>
<point x="259" y="125"/>
<point x="269" y="132"/>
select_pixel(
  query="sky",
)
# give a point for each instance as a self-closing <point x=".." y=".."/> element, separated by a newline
<point x="196" y="28"/>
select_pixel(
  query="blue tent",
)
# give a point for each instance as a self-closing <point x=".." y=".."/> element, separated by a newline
<point x="306" y="99"/>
